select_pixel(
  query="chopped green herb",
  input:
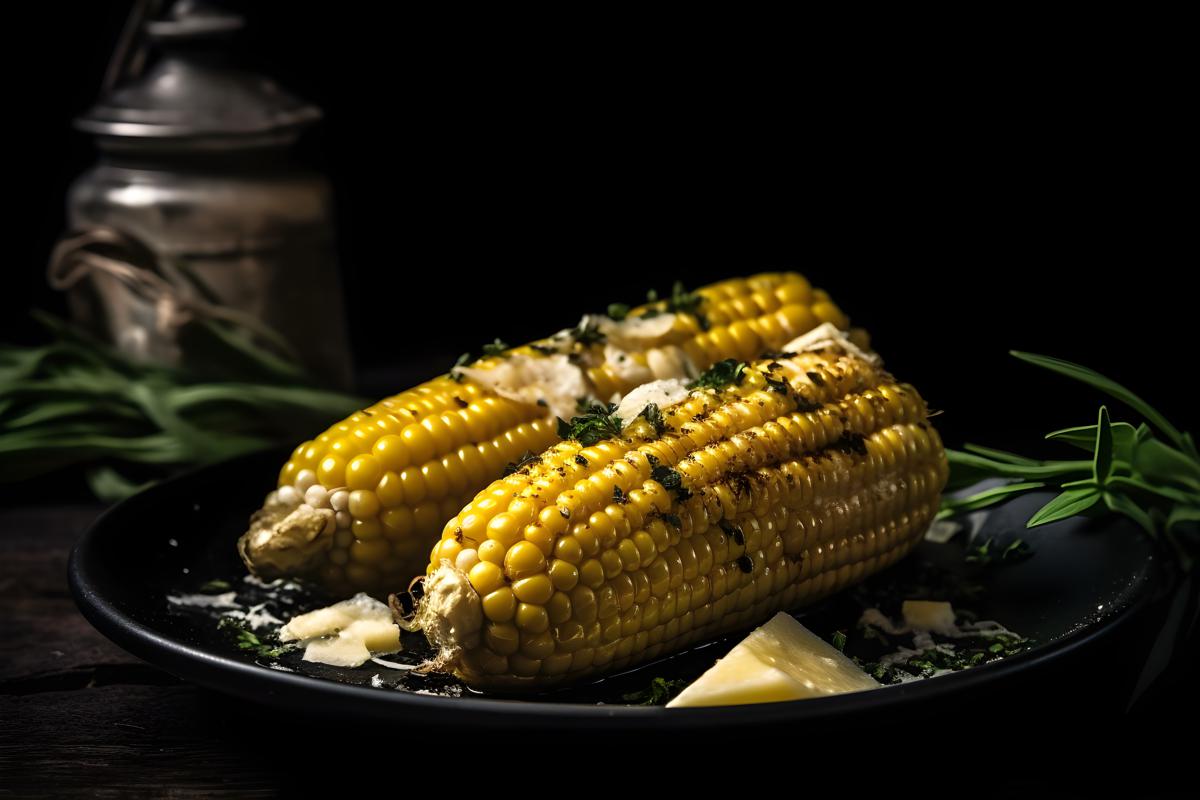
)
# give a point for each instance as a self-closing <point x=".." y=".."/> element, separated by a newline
<point x="658" y="693"/>
<point x="653" y="415"/>
<point x="496" y="348"/>
<point x="778" y="385"/>
<point x="596" y="424"/>
<point x="246" y="639"/>
<point x="216" y="586"/>
<point x="720" y="375"/>
<point x="461" y="361"/>
<point x="671" y="480"/>
<point x="990" y="553"/>
<point x="839" y="640"/>
<point x="527" y="458"/>
<point x="618" y="311"/>
<point x="587" y="332"/>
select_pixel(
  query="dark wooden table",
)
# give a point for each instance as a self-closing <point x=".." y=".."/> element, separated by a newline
<point x="80" y="717"/>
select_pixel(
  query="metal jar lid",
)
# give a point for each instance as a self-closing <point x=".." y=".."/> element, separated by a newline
<point x="192" y="93"/>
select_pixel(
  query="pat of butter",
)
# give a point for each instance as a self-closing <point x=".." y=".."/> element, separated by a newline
<point x="929" y="615"/>
<point x="782" y="660"/>
<point x="345" y="634"/>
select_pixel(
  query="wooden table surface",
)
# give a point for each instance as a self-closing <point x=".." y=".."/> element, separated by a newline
<point x="81" y="717"/>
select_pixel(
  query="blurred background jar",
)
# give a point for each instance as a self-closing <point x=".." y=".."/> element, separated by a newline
<point x="194" y="208"/>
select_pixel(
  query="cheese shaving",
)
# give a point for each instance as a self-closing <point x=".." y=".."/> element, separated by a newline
<point x="632" y="333"/>
<point x="664" y="394"/>
<point x="829" y="335"/>
<point x="626" y="365"/>
<point x="553" y="380"/>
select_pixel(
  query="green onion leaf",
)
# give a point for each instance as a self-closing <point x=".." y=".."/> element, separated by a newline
<point x="1112" y="388"/>
<point x="1103" y="463"/>
<point x="1068" y="504"/>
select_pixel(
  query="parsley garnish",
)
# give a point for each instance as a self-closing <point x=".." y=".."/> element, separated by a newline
<point x="618" y="311"/>
<point x="720" y="374"/>
<point x="527" y="458"/>
<point x="594" y="425"/>
<point x="671" y="480"/>
<point x="839" y="640"/>
<point x="988" y="553"/>
<point x="653" y="415"/>
<point x="657" y="694"/>
<point x="496" y="348"/>
<point x="246" y="639"/>
<point x="587" y="332"/>
<point x="681" y="301"/>
<point x="216" y="586"/>
<point x="461" y="361"/>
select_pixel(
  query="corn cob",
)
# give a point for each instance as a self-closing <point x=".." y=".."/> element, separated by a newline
<point x="816" y="471"/>
<point x="358" y="506"/>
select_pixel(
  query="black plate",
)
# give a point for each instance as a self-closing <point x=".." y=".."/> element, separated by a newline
<point x="1084" y="580"/>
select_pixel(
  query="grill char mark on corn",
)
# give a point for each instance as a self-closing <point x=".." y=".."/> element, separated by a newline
<point x="393" y="473"/>
<point x="789" y="496"/>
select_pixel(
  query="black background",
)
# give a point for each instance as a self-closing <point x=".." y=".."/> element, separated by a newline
<point x="494" y="180"/>
<point x="498" y="175"/>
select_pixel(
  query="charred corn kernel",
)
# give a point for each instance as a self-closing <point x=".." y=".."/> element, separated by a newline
<point x="803" y="487"/>
<point x="433" y="447"/>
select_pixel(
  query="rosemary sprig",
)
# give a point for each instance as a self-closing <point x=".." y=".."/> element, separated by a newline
<point x="79" y="403"/>
<point x="1131" y="471"/>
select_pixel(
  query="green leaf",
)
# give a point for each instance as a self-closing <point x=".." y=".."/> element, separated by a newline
<point x="1181" y="514"/>
<point x="110" y="486"/>
<point x="1125" y="439"/>
<point x="1110" y="387"/>
<point x="1158" y="461"/>
<point x="988" y="497"/>
<point x="1124" y="505"/>
<point x="1067" y="504"/>
<point x="1161" y="491"/>
<point x="988" y="466"/>
<point x="999" y="455"/>
<point x="1102" y="465"/>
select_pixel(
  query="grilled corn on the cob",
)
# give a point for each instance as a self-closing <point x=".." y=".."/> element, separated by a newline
<point x="814" y="471"/>
<point x="358" y="507"/>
